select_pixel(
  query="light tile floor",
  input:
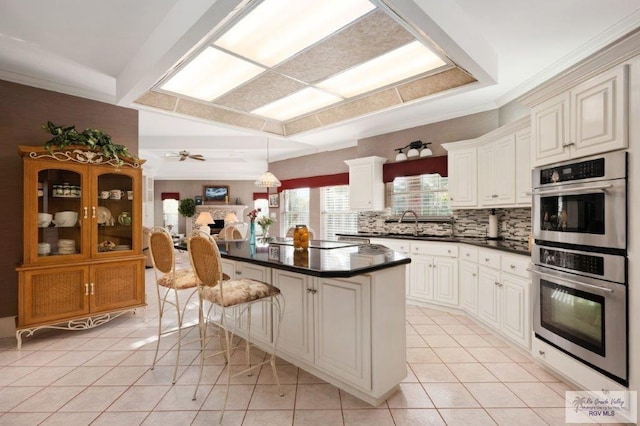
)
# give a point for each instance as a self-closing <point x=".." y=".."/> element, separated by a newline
<point x="458" y="374"/>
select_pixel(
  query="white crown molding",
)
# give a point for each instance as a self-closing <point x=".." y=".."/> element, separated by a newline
<point x="596" y="44"/>
<point x="54" y="86"/>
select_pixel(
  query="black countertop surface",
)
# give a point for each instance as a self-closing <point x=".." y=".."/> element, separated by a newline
<point x="321" y="259"/>
<point x="511" y="246"/>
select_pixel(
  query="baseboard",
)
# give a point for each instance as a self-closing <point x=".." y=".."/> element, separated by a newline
<point x="8" y="327"/>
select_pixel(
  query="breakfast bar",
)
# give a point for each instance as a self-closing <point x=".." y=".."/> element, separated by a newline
<point x="344" y="318"/>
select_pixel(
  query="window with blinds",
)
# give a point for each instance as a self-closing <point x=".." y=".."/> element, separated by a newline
<point x="294" y="208"/>
<point x="334" y="212"/>
<point x="427" y="195"/>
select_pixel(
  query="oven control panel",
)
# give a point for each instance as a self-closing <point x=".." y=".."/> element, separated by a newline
<point x="590" y="264"/>
<point x="574" y="171"/>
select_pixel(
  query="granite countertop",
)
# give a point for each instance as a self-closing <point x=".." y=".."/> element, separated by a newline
<point x="321" y="259"/>
<point x="511" y="246"/>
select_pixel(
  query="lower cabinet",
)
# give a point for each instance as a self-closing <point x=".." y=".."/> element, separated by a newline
<point x="434" y="273"/>
<point x="326" y="322"/>
<point x="503" y="294"/>
<point x="62" y="293"/>
<point x="260" y="313"/>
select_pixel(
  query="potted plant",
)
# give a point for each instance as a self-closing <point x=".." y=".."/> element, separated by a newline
<point x="187" y="207"/>
<point x="94" y="139"/>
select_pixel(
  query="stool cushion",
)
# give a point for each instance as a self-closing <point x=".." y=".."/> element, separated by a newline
<point x="239" y="291"/>
<point x="184" y="278"/>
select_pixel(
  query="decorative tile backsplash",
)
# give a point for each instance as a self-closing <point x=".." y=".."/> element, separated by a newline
<point x="513" y="224"/>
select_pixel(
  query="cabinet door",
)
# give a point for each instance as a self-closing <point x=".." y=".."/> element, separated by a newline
<point x="343" y="328"/>
<point x="116" y="285"/>
<point x="550" y="130"/>
<point x="489" y="296"/>
<point x="55" y="213"/>
<point x="497" y="172"/>
<point x="523" y="167"/>
<point x="296" y="329"/>
<point x="469" y="287"/>
<point x="599" y="113"/>
<point x="116" y="211"/>
<point x="261" y="320"/>
<point x="53" y="294"/>
<point x="516" y="321"/>
<point x="463" y="179"/>
<point x="445" y="280"/>
<point x="421" y="278"/>
<point x="401" y="246"/>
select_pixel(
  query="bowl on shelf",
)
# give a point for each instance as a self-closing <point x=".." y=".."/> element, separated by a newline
<point x="65" y="219"/>
<point x="44" y="219"/>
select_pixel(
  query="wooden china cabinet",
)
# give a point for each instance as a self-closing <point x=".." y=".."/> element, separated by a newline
<point x="78" y="274"/>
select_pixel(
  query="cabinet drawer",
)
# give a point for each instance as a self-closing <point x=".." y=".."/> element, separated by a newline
<point x="516" y="265"/>
<point x="490" y="258"/>
<point x="400" y="246"/>
<point x="469" y="253"/>
<point x="435" y="249"/>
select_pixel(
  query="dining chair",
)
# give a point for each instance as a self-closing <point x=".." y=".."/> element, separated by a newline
<point x="171" y="282"/>
<point x="230" y="294"/>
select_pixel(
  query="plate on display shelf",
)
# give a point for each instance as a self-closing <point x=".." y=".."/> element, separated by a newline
<point x="103" y="215"/>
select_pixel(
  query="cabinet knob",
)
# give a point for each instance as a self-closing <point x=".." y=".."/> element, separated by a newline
<point x="93" y="212"/>
<point x="486" y="259"/>
<point x="494" y="196"/>
<point x="468" y="255"/>
<point x="567" y="145"/>
<point x="86" y="212"/>
<point x="92" y="292"/>
<point x="498" y="284"/>
<point x="312" y="291"/>
<point x="86" y="289"/>
<point x="451" y="198"/>
<point x="238" y="272"/>
<point x="541" y="352"/>
<point x="512" y="266"/>
<point x="449" y="251"/>
<point x="474" y="274"/>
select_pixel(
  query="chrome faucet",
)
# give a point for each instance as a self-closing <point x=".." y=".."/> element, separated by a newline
<point x="415" y="231"/>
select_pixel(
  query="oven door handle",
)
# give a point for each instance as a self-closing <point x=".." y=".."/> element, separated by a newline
<point x="581" y="190"/>
<point x="597" y="287"/>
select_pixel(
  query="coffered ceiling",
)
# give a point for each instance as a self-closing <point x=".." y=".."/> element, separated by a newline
<point x="124" y="52"/>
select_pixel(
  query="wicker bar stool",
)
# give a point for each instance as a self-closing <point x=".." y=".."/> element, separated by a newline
<point x="170" y="282"/>
<point x="225" y="294"/>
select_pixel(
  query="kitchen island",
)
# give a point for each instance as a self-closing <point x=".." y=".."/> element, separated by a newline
<point x="344" y="317"/>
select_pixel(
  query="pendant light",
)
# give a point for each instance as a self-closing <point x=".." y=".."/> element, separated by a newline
<point x="268" y="180"/>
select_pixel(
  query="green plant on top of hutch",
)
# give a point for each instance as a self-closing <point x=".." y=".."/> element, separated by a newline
<point x="81" y="266"/>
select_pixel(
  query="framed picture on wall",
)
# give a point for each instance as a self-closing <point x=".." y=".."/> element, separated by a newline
<point x="216" y="194"/>
<point x="274" y="200"/>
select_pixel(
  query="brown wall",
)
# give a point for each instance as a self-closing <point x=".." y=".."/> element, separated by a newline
<point x="23" y="109"/>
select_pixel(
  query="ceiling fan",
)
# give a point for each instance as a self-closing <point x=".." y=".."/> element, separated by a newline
<point x="183" y="155"/>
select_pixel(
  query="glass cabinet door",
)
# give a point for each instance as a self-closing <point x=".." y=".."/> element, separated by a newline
<point x="60" y="213"/>
<point x="114" y="212"/>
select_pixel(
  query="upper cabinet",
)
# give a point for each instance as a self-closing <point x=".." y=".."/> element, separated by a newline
<point x="366" y="189"/>
<point x="463" y="177"/>
<point x="493" y="170"/>
<point x="589" y="119"/>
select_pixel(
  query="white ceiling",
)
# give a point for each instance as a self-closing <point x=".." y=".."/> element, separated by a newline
<point x="115" y="50"/>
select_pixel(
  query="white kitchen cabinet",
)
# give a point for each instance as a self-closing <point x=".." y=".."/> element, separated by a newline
<point x="589" y="119"/>
<point x="400" y="246"/>
<point x="260" y="313"/>
<point x="516" y="323"/>
<point x="468" y="284"/>
<point x="503" y="294"/>
<point x="463" y="177"/>
<point x="434" y="273"/>
<point x="296" y="330"/>
<point x="366" y="189"/>
<point x="496" y="166"/>
<point x="343" y="335"/>
<point x="523" y="168"/>
<point x="492" y="170"/>
<point x="489" y="296"/>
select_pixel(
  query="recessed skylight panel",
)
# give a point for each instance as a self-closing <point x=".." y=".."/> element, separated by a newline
<point x="298" y="103"/>
<point x="278" y="29"/>
<point x="407" y="61"/>
<point x="211" y="74"/>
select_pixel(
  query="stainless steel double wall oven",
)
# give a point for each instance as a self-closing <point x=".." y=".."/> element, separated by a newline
<point x="580" y="260"/>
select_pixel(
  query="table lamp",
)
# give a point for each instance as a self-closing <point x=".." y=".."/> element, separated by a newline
<point x="203" y="220"/>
